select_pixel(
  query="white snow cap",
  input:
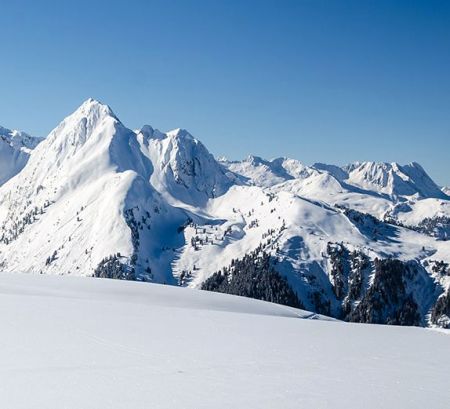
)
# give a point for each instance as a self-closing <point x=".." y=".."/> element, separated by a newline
<point x="180" y="133"/>
<point x="94" y="108"/>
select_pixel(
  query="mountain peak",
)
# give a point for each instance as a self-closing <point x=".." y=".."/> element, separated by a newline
<point x="255" y="160"/>
<point x="93" y="107"/>
<point x="15" y="149"/>
<point x="392" y="179"/>
<point x="18" y="139"/>
<point x="76" y="128"/>
<point x="150" y="133"/>
<point x="179" y="133"/>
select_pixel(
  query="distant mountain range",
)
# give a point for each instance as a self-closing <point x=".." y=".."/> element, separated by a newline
<point x="367" y="242"/>
<point x="15" y="148"/>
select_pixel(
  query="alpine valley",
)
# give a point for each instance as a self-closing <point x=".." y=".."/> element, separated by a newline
<point x="367" y="242"/>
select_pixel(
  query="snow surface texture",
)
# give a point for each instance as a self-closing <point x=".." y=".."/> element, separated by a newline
<point x="159" y="205"/>
<point x="70" y="342"/>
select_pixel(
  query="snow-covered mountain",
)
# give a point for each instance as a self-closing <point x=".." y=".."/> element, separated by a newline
<point x="184" y="172"/>
<point x="393" y="179"/>
<point x="96" y="198"/>
<point x="15" y="148"/>
<point x="264" y="173"/>
<point x="388" y="179"/>
<point x="85" y="196"/>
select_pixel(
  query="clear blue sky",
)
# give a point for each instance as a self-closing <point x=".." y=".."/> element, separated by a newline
<point x="330" y="81"/>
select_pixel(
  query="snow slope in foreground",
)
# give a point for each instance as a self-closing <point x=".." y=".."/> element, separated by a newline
<point x="71" y="342"/>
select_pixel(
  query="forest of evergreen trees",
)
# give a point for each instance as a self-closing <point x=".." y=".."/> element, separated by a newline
<point x="253" y="276"/>
<point x="387" y="300"/>
<point x="113" y="267"/>
<point x="440" y="314"/>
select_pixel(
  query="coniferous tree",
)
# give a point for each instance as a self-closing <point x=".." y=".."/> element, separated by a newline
<point x="253" y="276"/>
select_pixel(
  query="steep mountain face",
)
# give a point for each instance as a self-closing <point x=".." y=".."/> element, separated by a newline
<point x="393" y="179"/>
<point x="15" y="148"/>
<point x="389" y="179"/>
<point x="366" y="242"/>
<point x="83" y="197"/>
<point x="184" y="172"/>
